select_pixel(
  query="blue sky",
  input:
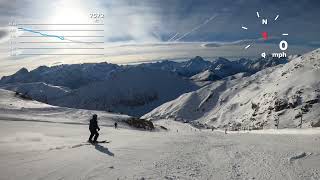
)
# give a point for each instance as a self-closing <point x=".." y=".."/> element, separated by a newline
<point x="183" y="28"/>
<point x="167" y="17"/>
<point x="158" y="20"/>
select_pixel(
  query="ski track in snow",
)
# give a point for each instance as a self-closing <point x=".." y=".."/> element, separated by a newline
<point x="187" y="154"/>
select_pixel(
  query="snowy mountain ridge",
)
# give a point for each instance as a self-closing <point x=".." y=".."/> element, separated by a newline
<point x="221" y="67"/>
<point x="274" y="96"/>
<point x="131" y="89"/>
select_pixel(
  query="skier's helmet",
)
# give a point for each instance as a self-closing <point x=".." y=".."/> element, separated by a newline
<point x="94" y="116"/>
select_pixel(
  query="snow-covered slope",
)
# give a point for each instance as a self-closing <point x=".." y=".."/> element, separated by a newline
<point x="194" y="66"/>
<point x="37" y="150"/>
<point x="39" y="141"/>
<point x="207" y="75"/>
<point x="277" y="94"/>
<point x="39" y="90"/>
<point x="16" y="108"/>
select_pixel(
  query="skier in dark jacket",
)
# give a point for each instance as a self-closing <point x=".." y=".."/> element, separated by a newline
<point x="93" y="127"/>
<point x="116" y="125"/>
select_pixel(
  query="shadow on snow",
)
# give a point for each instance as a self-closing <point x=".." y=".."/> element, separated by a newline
<point x="103" y="149"/>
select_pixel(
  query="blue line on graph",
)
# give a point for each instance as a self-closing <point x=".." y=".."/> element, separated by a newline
<point x="42" y="34"/>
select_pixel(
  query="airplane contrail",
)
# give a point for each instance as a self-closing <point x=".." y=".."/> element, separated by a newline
<point x="196" y="28"/>
<point x="174" y="36"/>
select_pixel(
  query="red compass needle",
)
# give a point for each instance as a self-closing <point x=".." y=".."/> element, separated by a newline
<point x="264" y="35"/>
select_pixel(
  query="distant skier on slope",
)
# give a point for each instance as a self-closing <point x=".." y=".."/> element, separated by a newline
<point x="93" y="127"/>
<point x="116" y="125"/>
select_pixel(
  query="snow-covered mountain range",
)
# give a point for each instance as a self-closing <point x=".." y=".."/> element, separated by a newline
<point x="220" y="67"/>
<point x="277" y="95"/>
<point x="131" y="89"/>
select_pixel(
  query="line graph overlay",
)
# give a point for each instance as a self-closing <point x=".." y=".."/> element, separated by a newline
<point x="35" y="24"/>
<point x="68" y="36"/>
<point x="42" y="34"/>
<point x="38" y="30"/>
<point x="60" y="48"/>
<point x="59" y="39"/>
<point x="30" y="42"/>
<point x="33" y="54"/>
